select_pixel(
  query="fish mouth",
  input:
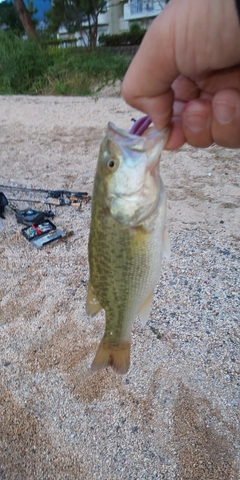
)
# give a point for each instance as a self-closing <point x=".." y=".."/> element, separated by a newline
<point x="140" y="137"/>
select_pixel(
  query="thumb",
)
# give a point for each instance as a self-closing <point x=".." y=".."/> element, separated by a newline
<point x="147" y="83"/>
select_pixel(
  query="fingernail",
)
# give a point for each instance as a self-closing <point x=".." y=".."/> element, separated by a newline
<point x="224" y="112"/>
<point x="196" y="119"/>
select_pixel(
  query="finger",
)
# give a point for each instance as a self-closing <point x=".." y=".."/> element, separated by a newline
<point x="178" y="108"/>
<point x="185" y="89"/>
<point x="215" y="81"/>
<point x="147" y="83"/>
<point x="196" y="123"/>
<point x="226" y="118"/>
<point x="176" y="138"/>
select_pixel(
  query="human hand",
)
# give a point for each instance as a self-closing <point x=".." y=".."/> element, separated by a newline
<point x="187" y="72"/>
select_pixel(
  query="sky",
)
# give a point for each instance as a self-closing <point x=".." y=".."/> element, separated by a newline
<point x="41" y="5"/>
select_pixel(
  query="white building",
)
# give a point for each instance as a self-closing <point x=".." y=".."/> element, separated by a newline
<point x="119" y="15"/>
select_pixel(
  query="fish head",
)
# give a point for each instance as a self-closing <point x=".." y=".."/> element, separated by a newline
<point x="129" y="166"/>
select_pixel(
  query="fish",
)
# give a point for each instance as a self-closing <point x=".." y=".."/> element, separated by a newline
<point x="128" y="238"/>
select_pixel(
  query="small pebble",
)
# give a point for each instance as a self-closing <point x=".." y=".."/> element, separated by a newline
<point x="135" y="429"/>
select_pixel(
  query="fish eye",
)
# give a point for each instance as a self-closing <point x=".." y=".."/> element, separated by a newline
<point x="110" y="163"/>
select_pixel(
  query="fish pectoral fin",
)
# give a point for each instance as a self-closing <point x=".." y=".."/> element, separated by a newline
<point x="166" y="245"/>
<point x="92" y="304"/>
<point x="112" y="354"/>
<point x="145" y="309"/>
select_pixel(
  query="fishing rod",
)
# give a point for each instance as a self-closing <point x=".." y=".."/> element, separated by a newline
<point x="28" y="216"/>
<point x="55" y="203"/>
<point x="50" y="193"/>
<point x="57" y="198"/>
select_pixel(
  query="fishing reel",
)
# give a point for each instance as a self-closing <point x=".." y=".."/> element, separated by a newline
<point x="32" y="217"/>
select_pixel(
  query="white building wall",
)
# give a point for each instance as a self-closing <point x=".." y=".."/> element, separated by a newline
<point x="109" y="22"/>
<point x="140" y="10"/>
<point x="120" y="14"/>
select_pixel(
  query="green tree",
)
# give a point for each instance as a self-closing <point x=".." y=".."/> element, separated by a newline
<point x="10" y="18"/>
<point x="32" y="10"/>
<point x="77" y="16"/>
<point x="25" y="18"/>
<point x="91" y="10"/>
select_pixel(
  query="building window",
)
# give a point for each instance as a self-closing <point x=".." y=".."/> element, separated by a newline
<point x="150" y="5"/>
<point x="140" y="6"/>
<point x="136" y="6"/>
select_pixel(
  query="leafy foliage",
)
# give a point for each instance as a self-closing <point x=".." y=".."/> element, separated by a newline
<point x="21" y="62"/>
<point x="133" y="37"/>
<point x="10" y="18"/>
<point x="25" y="17"/>
<point x="75" y="15"/>
<point x="28" y="67"/>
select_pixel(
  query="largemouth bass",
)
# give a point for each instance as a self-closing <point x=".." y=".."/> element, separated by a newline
<point x="128" y="238"/>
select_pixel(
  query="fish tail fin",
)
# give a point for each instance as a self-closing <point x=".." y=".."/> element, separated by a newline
<point x="112" y="354"/>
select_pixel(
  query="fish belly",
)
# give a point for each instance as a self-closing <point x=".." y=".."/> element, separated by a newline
<point x="124" y="269"/>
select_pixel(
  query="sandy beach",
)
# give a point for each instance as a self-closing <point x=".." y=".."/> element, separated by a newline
<point x="175" y="415"/>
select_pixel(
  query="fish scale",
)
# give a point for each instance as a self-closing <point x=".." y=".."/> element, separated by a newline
<point x="125" y="250"/>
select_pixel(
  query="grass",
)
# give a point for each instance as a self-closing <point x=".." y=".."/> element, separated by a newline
<point x="28" y="67"/>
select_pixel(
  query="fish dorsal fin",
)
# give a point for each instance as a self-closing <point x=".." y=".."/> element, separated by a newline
<point x="92" y="304"/>
<point x="145" y="309"/>
<point x="166" y="245"/>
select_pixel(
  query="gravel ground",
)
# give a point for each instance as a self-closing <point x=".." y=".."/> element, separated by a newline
<point x="175" y="415"/>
